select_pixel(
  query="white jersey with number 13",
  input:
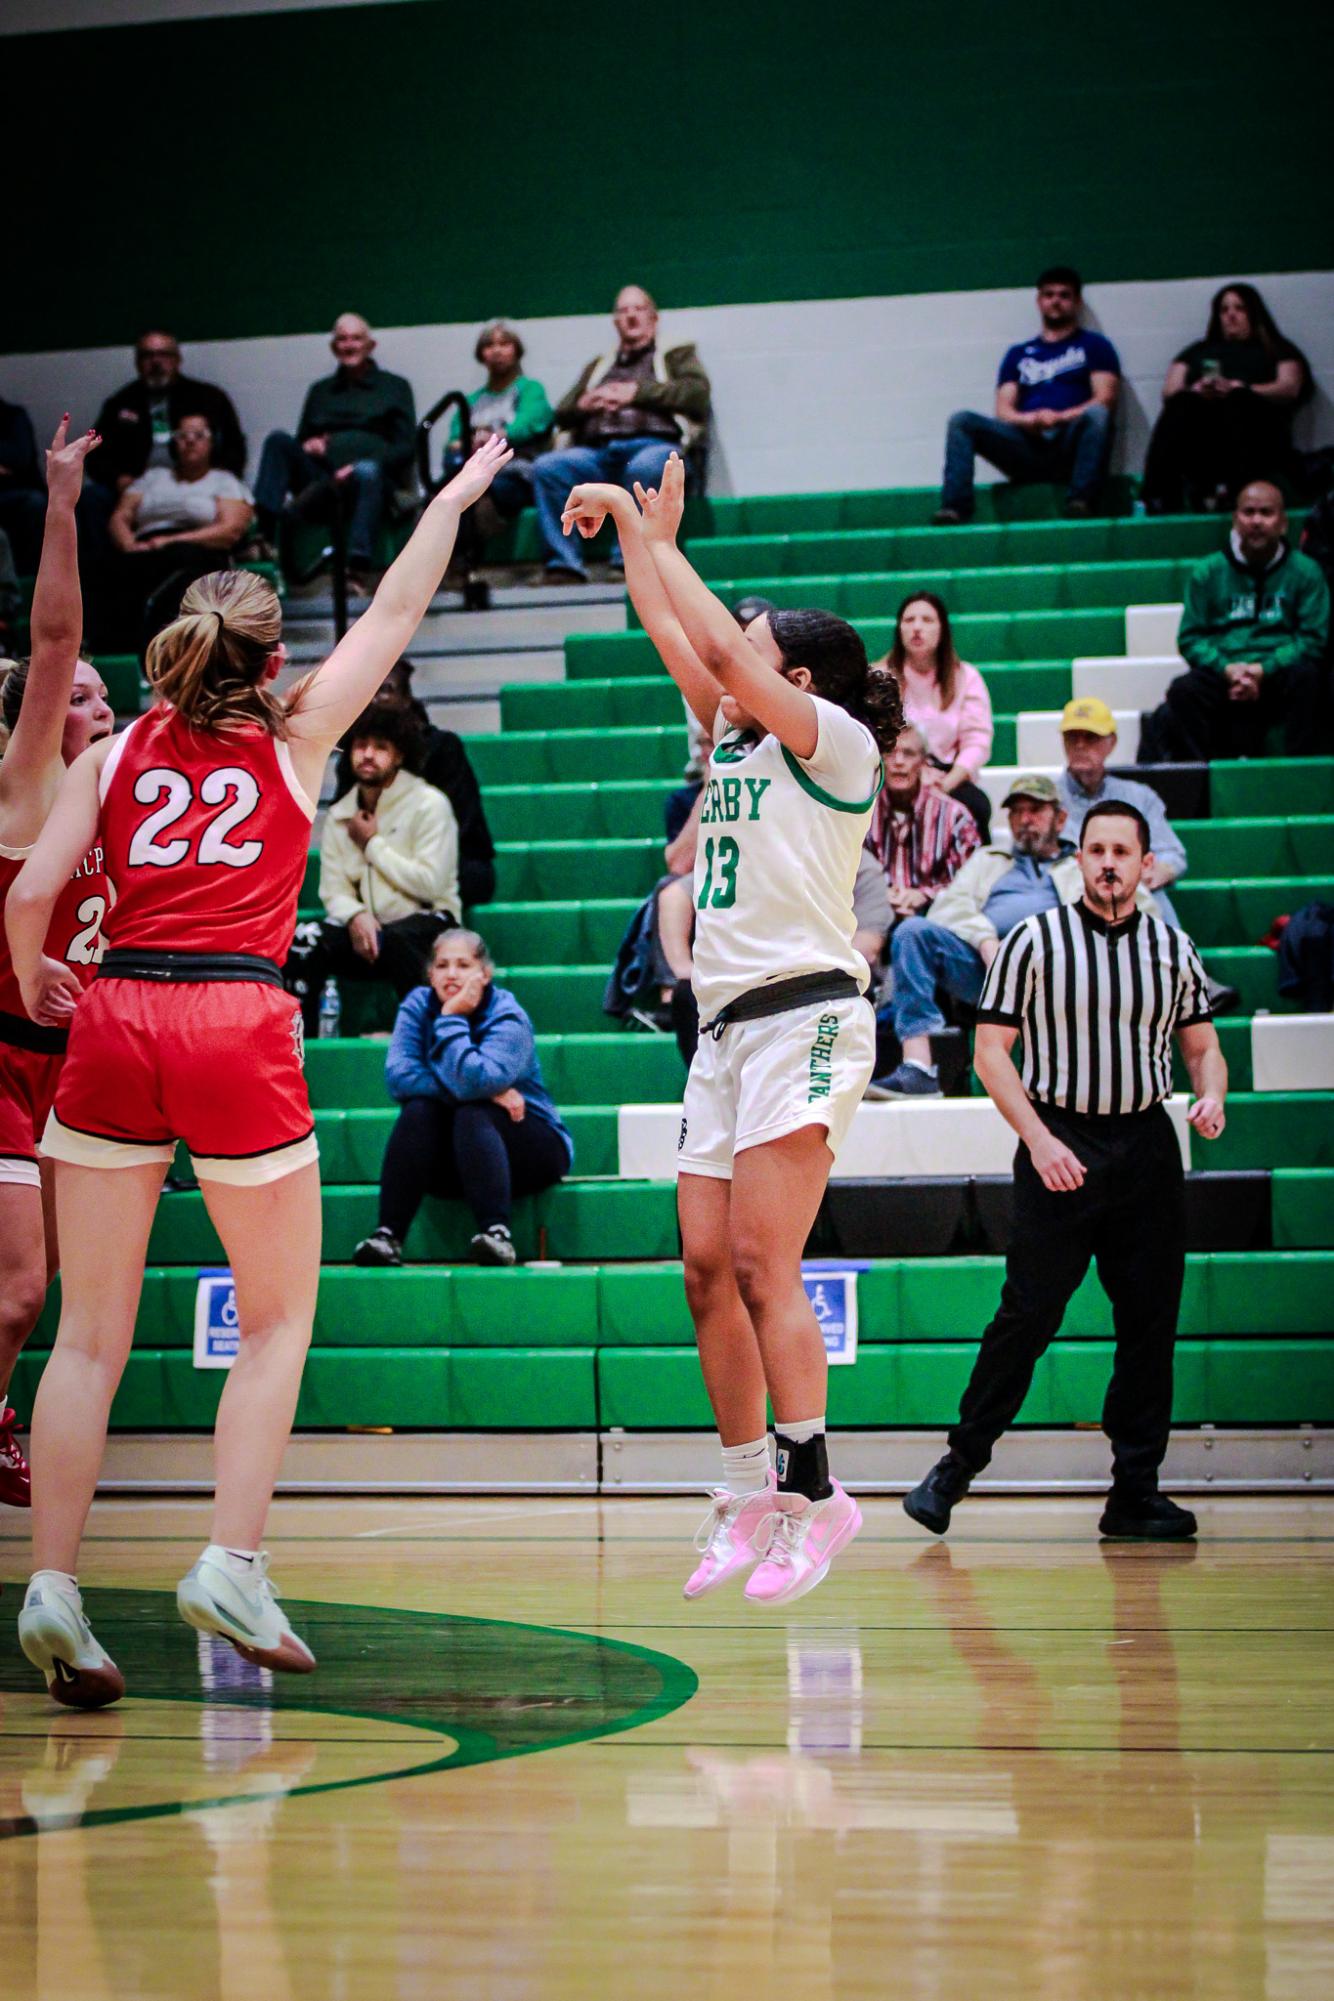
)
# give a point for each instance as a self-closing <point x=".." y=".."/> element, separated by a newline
<point x="779" y="841"/>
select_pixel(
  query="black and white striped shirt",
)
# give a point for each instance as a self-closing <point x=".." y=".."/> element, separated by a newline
<point x="1096" y="1007"/>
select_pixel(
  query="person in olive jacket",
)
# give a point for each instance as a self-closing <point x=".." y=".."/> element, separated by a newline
<point x="1253" y="634"/>
<point x="629" y="411"/>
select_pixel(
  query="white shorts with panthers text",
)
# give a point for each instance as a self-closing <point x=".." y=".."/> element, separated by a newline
<point x="763" y="1079"/>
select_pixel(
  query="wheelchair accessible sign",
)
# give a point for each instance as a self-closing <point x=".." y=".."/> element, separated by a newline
<point x="217" y="1326"/>
<point x="833" y="1296"/>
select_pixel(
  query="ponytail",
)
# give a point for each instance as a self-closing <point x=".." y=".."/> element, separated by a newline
<point x="208" y="663"/>
<point x="833" y="654"/>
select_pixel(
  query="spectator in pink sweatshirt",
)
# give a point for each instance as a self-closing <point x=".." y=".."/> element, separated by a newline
<point x="946" y="698"/>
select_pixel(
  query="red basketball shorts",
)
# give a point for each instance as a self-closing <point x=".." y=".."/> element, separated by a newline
<point x="28" y="1080"/>
<point x="216" y="1064"/>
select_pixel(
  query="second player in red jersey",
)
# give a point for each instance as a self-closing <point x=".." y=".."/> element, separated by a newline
<point x="52" y="706"/>
<point x="203" y="810"/>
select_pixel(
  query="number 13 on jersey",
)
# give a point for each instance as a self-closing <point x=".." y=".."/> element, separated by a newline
<point x="720" y="893"/>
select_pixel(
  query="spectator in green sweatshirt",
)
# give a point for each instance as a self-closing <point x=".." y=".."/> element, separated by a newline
<point x="513" y="404"/>
<point x="1252" y="635"/>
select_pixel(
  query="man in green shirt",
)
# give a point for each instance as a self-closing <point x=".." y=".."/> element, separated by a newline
<point x="1253" y="633"/>
<point x="357" y="426"/>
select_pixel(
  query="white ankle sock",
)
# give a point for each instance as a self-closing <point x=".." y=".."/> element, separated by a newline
<point x="746" y="1467"/>
<point x="927" y="1069"/>
<point x="801" y="1429"/>
<point x="238" y="1563"/>
<point x="60" y="1579"/>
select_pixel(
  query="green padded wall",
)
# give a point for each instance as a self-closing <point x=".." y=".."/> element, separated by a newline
<point x="420" y="158"/>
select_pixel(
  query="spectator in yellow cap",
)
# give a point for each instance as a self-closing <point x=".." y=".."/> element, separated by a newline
<point x="1088" y="735"/>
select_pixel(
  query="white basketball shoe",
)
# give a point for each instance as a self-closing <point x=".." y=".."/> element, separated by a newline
<point x="218" y="1596"/>
<point x="57" y="1638"/>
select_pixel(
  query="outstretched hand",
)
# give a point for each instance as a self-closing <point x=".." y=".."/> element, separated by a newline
<point x="64" y="463"/>
<point x="663" y="506"/>
<point x="589" y="505"/>
<point x="477" y="473"/>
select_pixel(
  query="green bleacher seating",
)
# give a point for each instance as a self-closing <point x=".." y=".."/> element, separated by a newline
<point x="575" y="784"/>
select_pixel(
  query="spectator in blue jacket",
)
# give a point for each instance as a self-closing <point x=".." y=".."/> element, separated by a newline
<point x="1055" y="400"/>
<point x="476" y="1120"/>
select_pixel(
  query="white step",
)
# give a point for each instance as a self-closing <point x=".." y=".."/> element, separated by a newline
<point x="1038" y="737"/>
<point x="1126" y="681"/>
<point x="1152" y="628"/>
<point x="1292" y="1052"/>
<point x="923" y="1140"/>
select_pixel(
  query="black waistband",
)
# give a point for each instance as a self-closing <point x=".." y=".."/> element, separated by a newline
<point x="20" y="1032"/>
<point x="780" y="997"/>
<point x="189" y="968"/>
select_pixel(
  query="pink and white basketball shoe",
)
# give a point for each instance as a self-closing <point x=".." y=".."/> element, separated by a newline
<point x="804" y="1538"/>
<point x="730" y="1537"/>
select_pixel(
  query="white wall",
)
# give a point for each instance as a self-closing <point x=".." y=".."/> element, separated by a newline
<point x="808" y="396"/>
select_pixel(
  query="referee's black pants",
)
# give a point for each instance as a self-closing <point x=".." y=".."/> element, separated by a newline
<point x="1129" y="1215"/>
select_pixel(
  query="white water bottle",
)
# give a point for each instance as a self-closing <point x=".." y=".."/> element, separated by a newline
<point x="331" y="1009"/>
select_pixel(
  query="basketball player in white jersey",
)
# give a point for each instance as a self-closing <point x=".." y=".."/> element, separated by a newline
<point x="798" y="720"/>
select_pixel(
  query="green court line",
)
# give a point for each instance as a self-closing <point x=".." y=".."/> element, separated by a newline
<point x="492" y="1686"/>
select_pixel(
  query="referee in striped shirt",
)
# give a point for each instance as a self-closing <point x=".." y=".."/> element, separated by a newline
<point x="1097" y="990"/>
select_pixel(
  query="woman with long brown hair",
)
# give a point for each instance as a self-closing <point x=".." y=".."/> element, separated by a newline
<point x="946" y="698"/>
<point x="203" y="808"/>
<point x="1228" y="405"/>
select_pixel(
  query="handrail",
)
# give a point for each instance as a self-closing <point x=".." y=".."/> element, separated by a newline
<point x="476" y="591"/>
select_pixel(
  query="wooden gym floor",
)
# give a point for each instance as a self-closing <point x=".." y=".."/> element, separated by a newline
<point x="1017" y="1764"/>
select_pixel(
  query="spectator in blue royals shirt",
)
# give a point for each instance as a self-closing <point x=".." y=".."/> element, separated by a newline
<point x="1055" y="401"/>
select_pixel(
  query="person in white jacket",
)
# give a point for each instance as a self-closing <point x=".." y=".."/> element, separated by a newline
<point x="952" y="948"/>
<point x="389" y="869"/>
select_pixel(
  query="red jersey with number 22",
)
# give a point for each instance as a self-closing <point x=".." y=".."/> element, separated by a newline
<point x="75" y="931"/>
<point x="205" y="834"/>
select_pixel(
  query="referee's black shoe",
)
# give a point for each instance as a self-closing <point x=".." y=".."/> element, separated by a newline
<point x="946" y="1484"/>
<point x="1145" y="1518"/>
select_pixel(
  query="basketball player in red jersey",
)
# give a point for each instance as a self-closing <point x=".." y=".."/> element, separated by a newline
<point x="53" y="706"/>
<point x="203" y="807"/>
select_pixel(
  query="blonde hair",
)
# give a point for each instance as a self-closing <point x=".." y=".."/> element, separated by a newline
<point x="207" y="663"/>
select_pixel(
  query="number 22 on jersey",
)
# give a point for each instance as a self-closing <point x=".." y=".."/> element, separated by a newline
<point x="176" y="794"/>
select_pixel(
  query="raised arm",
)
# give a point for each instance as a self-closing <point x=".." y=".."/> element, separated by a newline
<point x="711" y="631"/>
<point x="31" y="771"/>
<point x="50" y="989"/>
<point x="586" y="509"/>
<point x="334" y="696"/>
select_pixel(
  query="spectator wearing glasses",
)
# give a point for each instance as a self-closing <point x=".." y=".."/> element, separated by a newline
<point x="174" y="523"/>
<point x="1056" y="396"/>
<point x="137" y="423"/>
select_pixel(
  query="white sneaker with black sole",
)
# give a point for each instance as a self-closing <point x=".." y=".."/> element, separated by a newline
<point x="57" y="1638"/>
<point x="216" y="1597"/>
<point x="494" y="1246"/>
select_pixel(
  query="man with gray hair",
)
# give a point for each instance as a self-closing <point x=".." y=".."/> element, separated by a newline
<point x="358" y="426"/>
<point x="628" y="412"/>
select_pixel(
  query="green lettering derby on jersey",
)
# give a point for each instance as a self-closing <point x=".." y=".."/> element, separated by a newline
<point x="779" y="841"/>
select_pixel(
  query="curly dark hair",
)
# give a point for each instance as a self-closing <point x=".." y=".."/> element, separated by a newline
<point x="388" y="722"/>
<point x="840" y="672"/>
